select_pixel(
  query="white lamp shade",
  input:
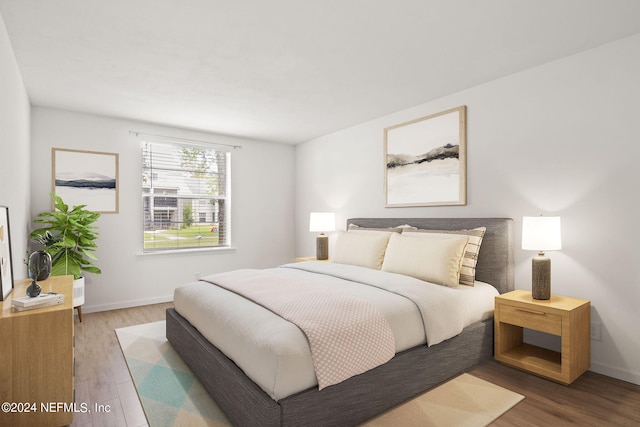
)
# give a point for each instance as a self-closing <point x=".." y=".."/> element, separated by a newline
<point x="322" y="221"/>
<point x="541" y="233"/>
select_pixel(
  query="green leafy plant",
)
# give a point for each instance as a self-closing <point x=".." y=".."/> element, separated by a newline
<point x="187" y="215"/>
<point x="69" y="236"/>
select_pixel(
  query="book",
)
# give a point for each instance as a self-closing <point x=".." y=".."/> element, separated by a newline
<point x="43" y="300"/>
<point x="33" y="307"/>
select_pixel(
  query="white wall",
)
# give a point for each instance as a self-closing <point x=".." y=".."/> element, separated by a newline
<point x="261" y="208"/>
<point x="559" y="139"/>
<point x="14" y="151"/>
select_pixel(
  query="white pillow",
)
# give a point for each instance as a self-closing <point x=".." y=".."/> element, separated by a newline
<point x="362" y="249"/>
<point x="470" y="258"/>
<point x="435" y="259"/>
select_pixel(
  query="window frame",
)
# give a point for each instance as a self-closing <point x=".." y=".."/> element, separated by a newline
<point x="164" y="182"/>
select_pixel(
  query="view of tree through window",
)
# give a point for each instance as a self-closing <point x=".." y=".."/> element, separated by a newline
<point x="184" y="196"/>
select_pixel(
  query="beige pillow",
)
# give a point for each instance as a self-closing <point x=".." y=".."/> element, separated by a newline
<point x="436" y="260"/>
<point x="362" y="249"/>
<point x="468" y="269"/>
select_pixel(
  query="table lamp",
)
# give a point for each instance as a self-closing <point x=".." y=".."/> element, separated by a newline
<point x="321" y="222"/>
<point x="541" y="234"/>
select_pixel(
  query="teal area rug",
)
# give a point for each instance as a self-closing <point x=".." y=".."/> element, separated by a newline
<point x="169" y="392"/>
<point x="172" y="396"/>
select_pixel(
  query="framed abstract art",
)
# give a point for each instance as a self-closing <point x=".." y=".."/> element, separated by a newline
<point x="6" y="266"/>
<point x="86" y="178"/>
<point x="425" y="160"/>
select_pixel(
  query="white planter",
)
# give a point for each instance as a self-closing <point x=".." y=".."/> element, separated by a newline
<point x="78" y="292"/>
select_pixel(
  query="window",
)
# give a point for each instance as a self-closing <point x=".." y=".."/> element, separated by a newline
<point x="185" y="196"/>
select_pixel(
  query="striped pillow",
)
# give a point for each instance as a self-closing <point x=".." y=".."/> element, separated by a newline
<point x="468" y="268"/>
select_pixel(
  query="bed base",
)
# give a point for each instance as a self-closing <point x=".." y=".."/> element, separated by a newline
<point x="345" y="404"/>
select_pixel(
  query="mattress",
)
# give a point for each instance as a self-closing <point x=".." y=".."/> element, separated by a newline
<point x="275" y="353"/>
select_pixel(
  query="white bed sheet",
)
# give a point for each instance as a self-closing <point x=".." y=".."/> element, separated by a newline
<point x="275" y="354"/>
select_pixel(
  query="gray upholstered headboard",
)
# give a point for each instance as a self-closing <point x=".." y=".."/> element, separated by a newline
<point x="495" y="260"/>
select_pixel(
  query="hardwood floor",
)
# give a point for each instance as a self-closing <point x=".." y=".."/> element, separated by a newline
<point x="591" y="400"/>
<point x="102" y="378"/>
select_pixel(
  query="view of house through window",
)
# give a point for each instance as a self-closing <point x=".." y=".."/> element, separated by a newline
<point x="185" y="196"/>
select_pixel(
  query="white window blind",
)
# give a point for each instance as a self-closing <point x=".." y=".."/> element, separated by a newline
<point x="185" y="196"/>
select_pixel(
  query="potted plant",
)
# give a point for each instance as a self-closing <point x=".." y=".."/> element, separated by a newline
<point x="69" y="236"/>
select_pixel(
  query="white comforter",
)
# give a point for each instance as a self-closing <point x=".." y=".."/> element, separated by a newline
<point x="347" y="335"/>
<point x="275" y="354"/>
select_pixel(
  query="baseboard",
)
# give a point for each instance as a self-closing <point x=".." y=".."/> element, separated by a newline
<point x="617" y="373"/>
<point x="126" y="304"/>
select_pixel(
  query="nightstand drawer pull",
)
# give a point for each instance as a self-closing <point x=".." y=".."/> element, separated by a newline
<point x="539" y="313"/>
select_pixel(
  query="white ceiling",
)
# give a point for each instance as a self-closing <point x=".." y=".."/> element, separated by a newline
<point x="288" y="70"/>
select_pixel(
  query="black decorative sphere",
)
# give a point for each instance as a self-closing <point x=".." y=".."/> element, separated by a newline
<point x="33" y="290"/>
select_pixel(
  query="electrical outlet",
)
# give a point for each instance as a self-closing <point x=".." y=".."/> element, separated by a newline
<point x="596" y="331"/>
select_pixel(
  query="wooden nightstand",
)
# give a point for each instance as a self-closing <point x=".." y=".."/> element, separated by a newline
<point x="569" y="318"/>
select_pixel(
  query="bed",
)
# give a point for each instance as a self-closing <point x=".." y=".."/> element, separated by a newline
<point x="352" y="401"/>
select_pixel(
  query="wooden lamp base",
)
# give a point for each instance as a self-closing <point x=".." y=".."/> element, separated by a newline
<point x="541" y="277"/>
<point x="322" y="247"/>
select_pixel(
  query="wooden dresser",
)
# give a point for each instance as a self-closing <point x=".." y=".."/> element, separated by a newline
<point x="36" y="359"/>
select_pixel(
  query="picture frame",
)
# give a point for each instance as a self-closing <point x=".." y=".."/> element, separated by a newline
<point x="86" y="178"/>
<point x="425" y="160"/>
<point x="6" y="265"/>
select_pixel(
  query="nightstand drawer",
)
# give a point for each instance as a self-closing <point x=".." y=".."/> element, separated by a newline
<point x="531" y="319"/>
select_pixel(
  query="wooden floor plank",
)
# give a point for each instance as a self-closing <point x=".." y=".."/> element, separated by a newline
<point x="102" y="377"/>
<point x="593" y="399"/>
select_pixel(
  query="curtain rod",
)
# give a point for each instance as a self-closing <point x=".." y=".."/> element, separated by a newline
<point x="173" y="138"/>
